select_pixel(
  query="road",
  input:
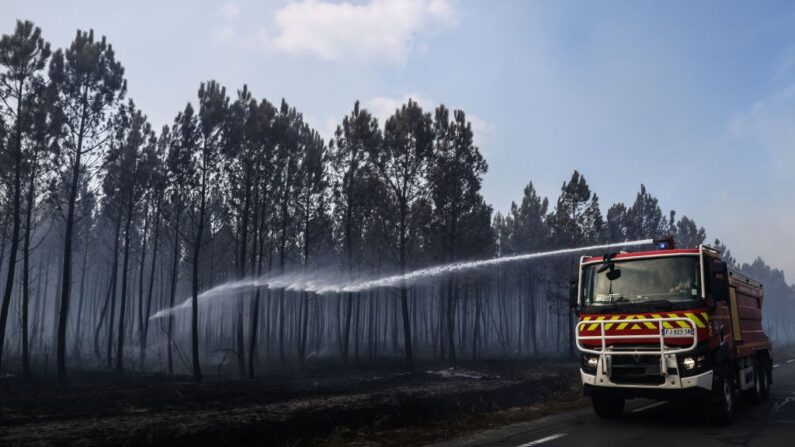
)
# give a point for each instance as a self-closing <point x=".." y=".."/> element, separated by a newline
<point x="648" y="423"/>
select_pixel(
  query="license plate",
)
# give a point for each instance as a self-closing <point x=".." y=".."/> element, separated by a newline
<point x="678" y="332"/>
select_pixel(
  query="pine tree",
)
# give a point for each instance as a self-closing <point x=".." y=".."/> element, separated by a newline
<point x="530" y="233"/>
<point x="645" y="219"/>
<point x="24" y="55"/>
<point x="240" y="153"/>
<point x="455" y="176"/>
<point x="616" y="226"/>
<point x="726" y="254"/>
<point x="529" y="222"/>
<point x="311" y="212"/>
<point x="402" y="164"/>
<point x="130" y="162"/>
<point x="358" y="134"/>
<point x="264" y="175"/>
<point x="503" y="232"/>
<point x="202" y="197"/>
<point x="575" y="221"/>
<point x="153" y="204"/>
<point x="44" y="132"/>
<point x="112" y="212"/>
<point x="179" y="164"/>
<point x="287" y="127"/>
<point x="257" y="150"/>
<point x="688" y="235"/>
<point x="90" y="82"/>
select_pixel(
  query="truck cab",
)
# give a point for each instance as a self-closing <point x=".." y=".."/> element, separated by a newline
<point x="669" y="324"/>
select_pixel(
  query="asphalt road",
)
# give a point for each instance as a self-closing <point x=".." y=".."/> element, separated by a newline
<point x="648" y="423"/>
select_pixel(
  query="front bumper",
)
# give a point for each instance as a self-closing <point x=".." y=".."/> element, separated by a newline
<point x="673" y="386"/>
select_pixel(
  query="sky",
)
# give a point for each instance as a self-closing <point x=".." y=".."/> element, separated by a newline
<point x="696" y="100"/>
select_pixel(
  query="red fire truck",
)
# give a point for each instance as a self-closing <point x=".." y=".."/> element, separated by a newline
<point x="667" y="324"/>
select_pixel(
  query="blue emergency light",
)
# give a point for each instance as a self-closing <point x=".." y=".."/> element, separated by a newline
<point x="665" y="243"/>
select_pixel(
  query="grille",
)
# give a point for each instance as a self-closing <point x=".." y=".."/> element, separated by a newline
<point x="636" y="369"/>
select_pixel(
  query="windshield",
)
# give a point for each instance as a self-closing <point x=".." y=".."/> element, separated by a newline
<point x="668" y="279"/>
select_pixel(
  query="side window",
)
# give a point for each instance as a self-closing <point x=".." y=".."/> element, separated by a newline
<point x="587" y="285"/>
<point x="696" y="278"/>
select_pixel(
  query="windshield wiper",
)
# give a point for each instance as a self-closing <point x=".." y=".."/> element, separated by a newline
<point x="664" y="304"/>
<point x="617" y="299"/>
<point x="622" y="304"/>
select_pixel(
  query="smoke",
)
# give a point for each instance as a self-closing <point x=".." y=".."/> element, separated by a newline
<point x="325" y="282"/>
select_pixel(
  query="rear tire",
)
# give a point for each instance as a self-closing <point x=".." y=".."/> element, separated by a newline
<point x="755" y="393"/>
<point x="765" y="374"/>
<point x="607" y="406"/>
<point x="723" y="407"/>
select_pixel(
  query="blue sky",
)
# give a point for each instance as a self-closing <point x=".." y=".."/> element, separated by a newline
<point x="694" y="99"/>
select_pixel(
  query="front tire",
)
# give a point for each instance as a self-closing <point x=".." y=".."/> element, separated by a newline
<point x="607" y="406"/>
<point x="724" y="405"/>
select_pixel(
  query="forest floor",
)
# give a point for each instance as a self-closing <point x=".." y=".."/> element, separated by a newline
<point x="320" y="407"/>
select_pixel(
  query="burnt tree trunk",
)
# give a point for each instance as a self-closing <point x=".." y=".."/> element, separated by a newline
<point x="123" y="300"/>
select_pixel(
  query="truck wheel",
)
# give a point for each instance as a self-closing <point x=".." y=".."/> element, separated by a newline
<point x="765" y="376"/>
<point x="723" y="410"/>
<point x="607" y="406"/>
<point x="754" y="394"/>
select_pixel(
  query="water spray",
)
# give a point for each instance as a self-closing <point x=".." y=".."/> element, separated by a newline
<point x="321" y="284"/>
<point x="397" y="280"/>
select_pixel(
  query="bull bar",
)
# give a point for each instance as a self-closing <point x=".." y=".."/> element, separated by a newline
<point x="663" y="350"/>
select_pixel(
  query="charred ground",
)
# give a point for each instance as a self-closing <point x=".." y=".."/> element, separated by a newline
<point x="321" y="406"/>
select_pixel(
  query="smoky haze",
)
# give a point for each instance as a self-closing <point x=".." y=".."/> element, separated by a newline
<point x="375" y="243"/>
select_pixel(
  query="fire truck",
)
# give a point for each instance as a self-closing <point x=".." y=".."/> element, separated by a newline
<point x="670" y="324"/>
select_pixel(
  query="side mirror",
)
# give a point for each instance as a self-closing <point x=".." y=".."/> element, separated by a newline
<point x="719" y="281"/>
<point x="574" y="291"/>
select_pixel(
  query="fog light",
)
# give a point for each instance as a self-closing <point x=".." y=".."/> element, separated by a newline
<point x="689" y="363"/>
<point x="592" y="362"/>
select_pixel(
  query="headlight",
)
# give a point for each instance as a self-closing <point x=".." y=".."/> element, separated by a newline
<point x="589" y="363"/>
<point x="689" y="363"/>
